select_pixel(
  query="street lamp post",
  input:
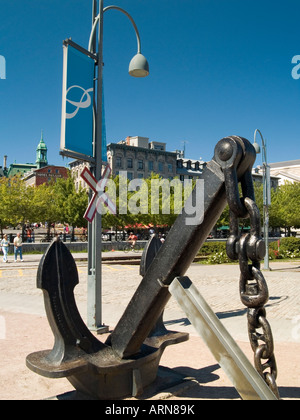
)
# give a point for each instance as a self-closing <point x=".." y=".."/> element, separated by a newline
<point x="266" y="193"/>
<point x="138" y="67"/>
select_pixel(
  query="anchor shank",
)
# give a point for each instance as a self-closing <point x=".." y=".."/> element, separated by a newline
<point x="179" y="250"/>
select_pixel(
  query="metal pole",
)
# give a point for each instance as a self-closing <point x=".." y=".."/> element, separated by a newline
<point x="94" y="316"/>
<point x="266" y="194"/>
<point x="91" y="247"/>
<point x="94" y="295"/>
<point x="266" y="203"/>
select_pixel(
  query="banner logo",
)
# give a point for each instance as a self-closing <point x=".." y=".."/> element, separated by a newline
<point x="85" y="100"/>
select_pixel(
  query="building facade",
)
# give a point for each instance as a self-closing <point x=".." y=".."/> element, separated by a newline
<point x="45" y="175"/>
<point x="139" y="158"/>
<point x="288" y="171"/>
<point x="76" y="169"/>
<point x="258" y="177"/>
<point x="189" y="168"/>
<point x="281" y="172"/>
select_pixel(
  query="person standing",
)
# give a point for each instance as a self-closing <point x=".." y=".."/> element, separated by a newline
<point x="18" y="247"/>
<point x="5" y="248"/>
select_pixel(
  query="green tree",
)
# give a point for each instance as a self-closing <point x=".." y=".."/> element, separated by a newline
<point x="45" y="205"/>
<point x="71" y="204"/>
<point x="165" y="200"/>
<point x="16" y="201"/>
<point x="122" y="217"/>
<point x="137" y="203"/>
<point x="4" y="216"/>
<point x="285" y="207"/>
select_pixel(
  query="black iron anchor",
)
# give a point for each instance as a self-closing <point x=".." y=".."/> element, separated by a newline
<point x="129" y="359"/>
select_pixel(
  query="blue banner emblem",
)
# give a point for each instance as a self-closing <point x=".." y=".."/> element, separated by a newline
<point x="77" y="103"/>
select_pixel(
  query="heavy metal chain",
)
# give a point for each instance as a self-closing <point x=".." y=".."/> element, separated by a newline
<point x="253" y="287"/>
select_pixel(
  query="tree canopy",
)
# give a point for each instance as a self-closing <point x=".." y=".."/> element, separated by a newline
<point x="145" y="203"/>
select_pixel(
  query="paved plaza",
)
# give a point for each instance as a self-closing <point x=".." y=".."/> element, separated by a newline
<point x="24" y="327"/>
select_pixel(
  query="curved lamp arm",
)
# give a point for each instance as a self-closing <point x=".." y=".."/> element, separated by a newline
<point x="129" y="17"/>
<point x="257" y="148"/>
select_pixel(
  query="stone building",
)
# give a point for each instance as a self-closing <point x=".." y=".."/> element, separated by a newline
<point x="139" y="158"/>
<point x="76" y="168"/>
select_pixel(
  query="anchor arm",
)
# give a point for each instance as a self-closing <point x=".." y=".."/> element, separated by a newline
<point x="57" y="277"/>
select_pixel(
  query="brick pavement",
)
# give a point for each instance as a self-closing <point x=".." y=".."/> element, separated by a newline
<point x="21" y="308"/>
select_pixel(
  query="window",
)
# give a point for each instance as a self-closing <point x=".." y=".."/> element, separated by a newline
<point x="118" y="162"/>
<point x="129" y="163"/>
<point x="160" y="166"/>
<point x="150" y="165"/>
<point x="158" y="147"/>
<point x="140" y="164"/>
<point x="130" y="176"/>
<point x="170" y="167"/>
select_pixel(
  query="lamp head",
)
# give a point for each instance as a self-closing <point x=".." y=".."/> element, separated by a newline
<point x="139" y="66"/>
<point x="256" y="147"/>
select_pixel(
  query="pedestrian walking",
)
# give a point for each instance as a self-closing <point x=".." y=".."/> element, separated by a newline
<point x="5" y="247"/>
<point x="18" y="247"/>
<point x="28" y="233"/>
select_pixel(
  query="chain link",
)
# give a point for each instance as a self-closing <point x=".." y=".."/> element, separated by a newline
<point x="253" y="286"/>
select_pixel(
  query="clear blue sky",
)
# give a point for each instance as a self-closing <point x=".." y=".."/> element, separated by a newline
<point x="217" y="68"/>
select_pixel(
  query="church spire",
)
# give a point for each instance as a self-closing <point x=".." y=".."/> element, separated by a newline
<point x="41" y="153"/>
